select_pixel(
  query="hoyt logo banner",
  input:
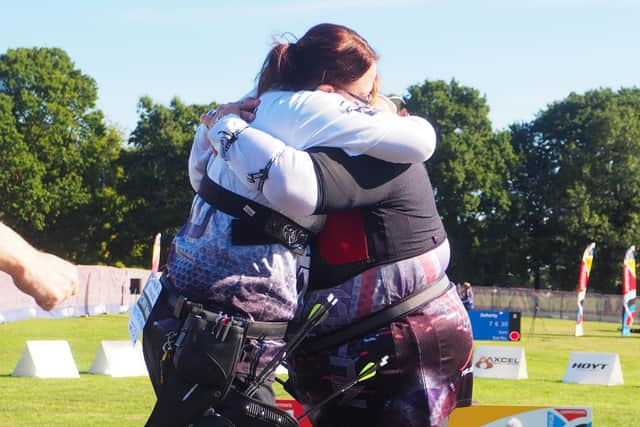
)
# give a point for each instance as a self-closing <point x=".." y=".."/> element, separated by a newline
<point x="594" y="368"/>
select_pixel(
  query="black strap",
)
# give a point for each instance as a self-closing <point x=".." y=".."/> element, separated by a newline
<point x="378" y="319"/>
<point x="245" y="411"/>
<point x="181" y="306"/>
<point x="258" y="224"/>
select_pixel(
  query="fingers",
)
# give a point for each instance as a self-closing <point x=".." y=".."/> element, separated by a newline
<point x="247" y="116"/>
<point x="248" y="108"/>
<point x="206" y="120"/>
<point x="249" y="104"/>
<point x="244" y="108"/>
<point x="55" y="279"/>
<point x="225" y="109"/>
<point x="47" y="305"/>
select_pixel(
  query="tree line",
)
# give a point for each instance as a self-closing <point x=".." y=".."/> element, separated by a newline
<point x="519" y="204"/>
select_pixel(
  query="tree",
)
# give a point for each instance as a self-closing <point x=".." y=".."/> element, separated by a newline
<point x="590" y="148"/>
<point x="156" y="180"/>
<point x="55" y="151"/>
<point x="530" y="213"/>
<point x="470" y="173"/>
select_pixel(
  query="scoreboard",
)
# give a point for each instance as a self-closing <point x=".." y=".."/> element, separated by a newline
<point x="493" y="325"/>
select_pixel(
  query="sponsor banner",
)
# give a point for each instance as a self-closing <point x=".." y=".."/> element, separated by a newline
<point x="521" y="416"/>
<point x="628" y="290"/>
<point x="492" y="325"/>
<point x="155" y="254"/>
<point x="583" y="281"/>
<point x="627" y="318"/>
<point x="295" y="409"/>
<point x="499" y="362"/>
<point x="594" y="368"/>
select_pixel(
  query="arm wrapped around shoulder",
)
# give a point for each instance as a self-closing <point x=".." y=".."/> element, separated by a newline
<point x="418" y="134"/>
<point x="327" y="120"/>
<point x="263" y="163"/>
<point x="225" y="132"/>
<point x="201" y="152"/>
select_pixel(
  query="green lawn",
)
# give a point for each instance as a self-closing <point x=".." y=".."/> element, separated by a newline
<point x="547" y="353"/>
<point x="91" y="400"/>
<point x="98" y="400"/>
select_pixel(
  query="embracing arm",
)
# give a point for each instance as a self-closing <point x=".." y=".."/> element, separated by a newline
<point x="309" y="119"/>
<point x="296" y="182"/>
<point x="398" y="142"/>
<point x="199" y="156"/>
<point x="261" y="162"/>
<point x="201" y="149"/>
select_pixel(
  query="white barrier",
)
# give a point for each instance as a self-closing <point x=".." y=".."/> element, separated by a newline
<point x="594" y="368"/>
<point x="119" y="359"/>
<point x="46" y="359"/>
<point x="499" y="362"/>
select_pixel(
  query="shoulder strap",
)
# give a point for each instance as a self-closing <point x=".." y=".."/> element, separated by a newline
<point x="266" y="220"/>
<point x="379" y="318"/>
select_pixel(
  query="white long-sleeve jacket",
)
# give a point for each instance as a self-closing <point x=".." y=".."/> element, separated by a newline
<point x="204" y="263"/>
<point x="303" y="120"/>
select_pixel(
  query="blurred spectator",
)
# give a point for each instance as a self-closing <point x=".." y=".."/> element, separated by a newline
<point x="466" y="295"/>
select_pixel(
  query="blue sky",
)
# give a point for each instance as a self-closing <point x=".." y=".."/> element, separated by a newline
<point x="521" y="55"/>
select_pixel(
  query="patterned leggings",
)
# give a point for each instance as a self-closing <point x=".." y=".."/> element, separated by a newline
<point x="428" y="375"/>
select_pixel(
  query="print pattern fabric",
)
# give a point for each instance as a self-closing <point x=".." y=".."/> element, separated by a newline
<point x="258" y="280"/>
<point x="428" y="375"/>
<point x="377" y="288"/>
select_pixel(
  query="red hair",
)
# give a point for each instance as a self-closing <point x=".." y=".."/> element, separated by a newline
<point x="327" y="53"/>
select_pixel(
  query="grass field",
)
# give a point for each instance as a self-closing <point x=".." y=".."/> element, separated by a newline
<point x="96" y="400"/>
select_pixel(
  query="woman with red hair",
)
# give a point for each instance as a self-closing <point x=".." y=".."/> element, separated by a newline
<point x="313" y="93"/>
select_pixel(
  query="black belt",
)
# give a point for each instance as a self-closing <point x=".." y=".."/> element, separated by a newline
<point x="378" y="319"/>
<point x="181" y="306"/>
<point x="256" y="224"/>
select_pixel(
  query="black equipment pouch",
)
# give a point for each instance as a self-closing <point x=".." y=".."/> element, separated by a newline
<point x="208" y="348"/>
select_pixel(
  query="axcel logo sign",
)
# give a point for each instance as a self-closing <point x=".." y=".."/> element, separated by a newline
<point x="488" y="362"/>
